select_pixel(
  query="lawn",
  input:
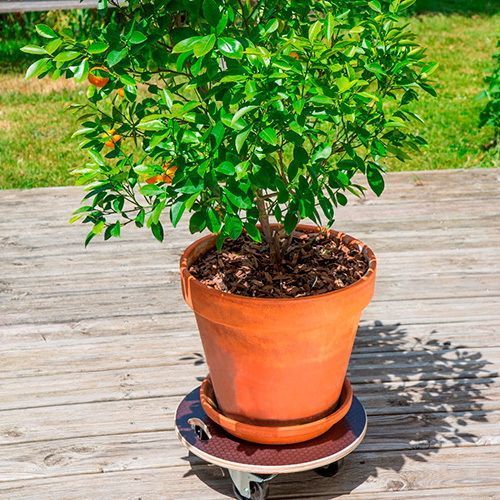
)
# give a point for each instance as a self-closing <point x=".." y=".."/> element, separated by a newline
<point x="36" y="148"/>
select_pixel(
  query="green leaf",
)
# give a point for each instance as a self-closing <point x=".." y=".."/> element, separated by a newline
<point x="344" y="84"/>
<point x="330" y="25"/>
<point x="176" y="212"/>
<point x="218" y="132"/>
<point x="291" y="221"/>
<point x="241" y="138"/>
<point x="97" y="47"/>
<point x="375" y="5"/>
<point x="269" y="135"/>
<point x="211" y="12"/>
<point x="230" y="47"/>
<point x="375" y="179"/>
<point x="197" y="222"/>
<point x="378" y="148"/>
<point x="226" y="168"/>
<point x="127" y="80"/>
<point x="157" y="230"/>
<point x="53" y="45"/>
<point x="428" y="69"/>
<point x="66" y="56"/>
<point x="293" y="170"/>
<point x="137" y="37"/>
<point x="242" y="112"/>
<point x="428" y="88"/>
<point x="90" y="236"/>
<point x="151" y="124"/>
<point x="204" y="45"/>
<point x="139" y="218"/>
<point x="298" y="106"/>
<point x="46" y="32"/>
<point x="314" y="30"/>
<point x="115" y="56"/>
<point x="271" y="26"/>
<point x="253" y="231"/>
<point x="33" y="49"/>
<point x="342" y="199"/>
<point x="300" y="155"/>
<point x="375" y="68"/>
<point x="326" y="207"/>
<point x="96" y="156"/>
<point x="156" y="213"/>
<point x="186" y="45"/>
<point x="118" y="204"/>
<point x="82" y="71"/>
<point x="99" y="227"/>
<point x="151" y="190"/>
<point x="116" y="229"/>
<point x="233" y="227"/>
<point x="213" y="220"/>
<point x="239" y="200"/>
<point x="38" y="67"/>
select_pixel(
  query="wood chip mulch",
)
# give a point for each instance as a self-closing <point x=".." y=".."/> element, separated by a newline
<point x="313" y="264"/>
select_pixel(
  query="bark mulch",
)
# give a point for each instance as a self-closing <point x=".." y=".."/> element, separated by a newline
<point x="314" y="263"/>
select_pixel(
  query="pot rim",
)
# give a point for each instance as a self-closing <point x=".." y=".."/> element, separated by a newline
<point x="188" y="277"/>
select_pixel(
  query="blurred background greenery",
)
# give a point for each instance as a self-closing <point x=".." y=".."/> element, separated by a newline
<point x="36" y="148"/>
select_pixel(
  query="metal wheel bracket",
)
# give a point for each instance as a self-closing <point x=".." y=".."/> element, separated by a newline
<point x="243" y="480"/>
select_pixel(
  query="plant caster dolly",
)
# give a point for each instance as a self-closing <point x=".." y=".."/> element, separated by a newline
<point x="251" y="466"/>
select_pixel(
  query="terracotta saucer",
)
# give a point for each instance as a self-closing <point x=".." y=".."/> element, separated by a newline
<point x="279" y="434"/>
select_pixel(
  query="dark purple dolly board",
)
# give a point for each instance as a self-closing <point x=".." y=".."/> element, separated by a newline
<point x="227" y="451"/>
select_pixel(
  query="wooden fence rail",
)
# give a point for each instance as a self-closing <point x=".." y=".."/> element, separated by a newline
<point x="10" y="6"/>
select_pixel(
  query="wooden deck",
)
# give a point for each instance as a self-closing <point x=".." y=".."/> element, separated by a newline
<point x="97" y="349"/>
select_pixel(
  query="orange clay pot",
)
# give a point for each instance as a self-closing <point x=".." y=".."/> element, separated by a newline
<point x="274" y="434"/>
<point x="277" y="361"/>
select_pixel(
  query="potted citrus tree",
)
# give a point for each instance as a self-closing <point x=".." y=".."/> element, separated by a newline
<point x="250" y="116"/>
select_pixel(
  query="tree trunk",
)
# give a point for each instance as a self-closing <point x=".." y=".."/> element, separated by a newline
<point x="271" y="237"/>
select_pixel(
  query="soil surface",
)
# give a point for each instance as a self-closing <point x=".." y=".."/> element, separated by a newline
<point x="314" y="263"/>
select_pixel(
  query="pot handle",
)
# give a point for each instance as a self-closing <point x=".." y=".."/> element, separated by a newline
<point x="200" y="428"/>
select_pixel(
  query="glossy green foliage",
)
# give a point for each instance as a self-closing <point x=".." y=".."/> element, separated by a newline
<point x="491" y="113"/>
<point x="236" y="110"/>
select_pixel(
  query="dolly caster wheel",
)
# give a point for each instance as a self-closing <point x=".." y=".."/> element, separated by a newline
<point x="258" y="491"/>
<point x="330" y="470"/>
<point x="248" y="486"/>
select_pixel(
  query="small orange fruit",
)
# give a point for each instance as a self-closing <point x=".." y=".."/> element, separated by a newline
<point x="169" y="173"/>
<point x="154" y="179"/>
<point x="121" y="92"/>
<point x="115" y="138"/>
<point x="97" y="80"/>
<point x="295" y="55"/>
<point x="167" y="177"/>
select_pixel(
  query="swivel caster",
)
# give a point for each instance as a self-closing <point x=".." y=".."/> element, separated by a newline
<point x="258" y="491"/>
<point x="247" y="486"/>
<point x="330" y="470"/>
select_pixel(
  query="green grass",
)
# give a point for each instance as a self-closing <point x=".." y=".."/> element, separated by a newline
<point x="463" y="46"/>
<point x="36" y="148"/>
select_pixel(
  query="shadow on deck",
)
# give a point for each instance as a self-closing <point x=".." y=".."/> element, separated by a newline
<point x="420" y="399"/>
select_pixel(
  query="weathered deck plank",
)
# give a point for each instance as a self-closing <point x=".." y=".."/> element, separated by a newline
<point x="97" y="348"/>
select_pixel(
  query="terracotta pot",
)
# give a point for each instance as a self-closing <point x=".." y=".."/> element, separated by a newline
<point x="277" y="361"/>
